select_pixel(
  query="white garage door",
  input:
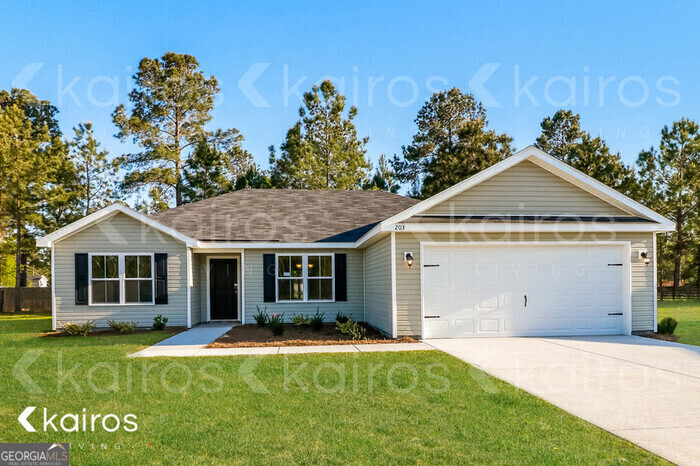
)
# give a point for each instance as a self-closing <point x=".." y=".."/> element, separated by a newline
<point x="538" y="290"/>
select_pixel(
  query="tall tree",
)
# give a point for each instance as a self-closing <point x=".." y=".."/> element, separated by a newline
<point x="452" y="143"/>
<point x="670" y="179"/>
<point x="95" y="172"/>
<point x="214" y="169"/>
<point x="322" y="150"/>
<point x="25" y="167"/>
<point x="563" y="138"/>
<point x="172" y="101"/>
<point x="384" y="178"/>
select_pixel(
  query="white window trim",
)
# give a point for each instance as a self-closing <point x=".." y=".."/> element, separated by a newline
<point x="122" y="278"/>
<point x="304" y="277"/>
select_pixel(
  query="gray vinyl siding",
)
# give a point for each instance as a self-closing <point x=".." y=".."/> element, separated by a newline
<point x="197" y="290"/>
<point x="353" y="307"/>
<point x="120" y="233"/>
<point x="525" y="189"/>
<point x="408" y="286"/>
<point x="378" y="302"/>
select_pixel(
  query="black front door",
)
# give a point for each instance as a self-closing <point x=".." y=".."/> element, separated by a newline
<point x="223" y="289"/>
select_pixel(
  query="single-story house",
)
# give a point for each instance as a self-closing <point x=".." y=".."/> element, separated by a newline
<point x="37" y="281"/>
<point x="529" y="246"/>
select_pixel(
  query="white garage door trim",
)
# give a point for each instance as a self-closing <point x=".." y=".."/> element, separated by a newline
<point x="626" y="264"/>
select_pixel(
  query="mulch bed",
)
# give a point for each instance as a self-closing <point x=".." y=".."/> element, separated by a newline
<point x="247" y="336"/>
<point x="109" y="332"/>
<point x="662" y="336"/>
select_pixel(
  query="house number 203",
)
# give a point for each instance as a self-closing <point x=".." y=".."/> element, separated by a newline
<point x="399" y="227"/>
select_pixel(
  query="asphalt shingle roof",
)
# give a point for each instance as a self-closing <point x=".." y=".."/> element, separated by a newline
<point x="285" y="215"/>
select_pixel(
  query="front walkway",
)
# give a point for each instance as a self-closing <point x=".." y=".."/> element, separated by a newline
<point x="643" y="390"/>
<point x="192" y="342"/>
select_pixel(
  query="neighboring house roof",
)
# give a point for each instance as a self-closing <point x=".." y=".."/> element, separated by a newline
<point x="284" y="215"/>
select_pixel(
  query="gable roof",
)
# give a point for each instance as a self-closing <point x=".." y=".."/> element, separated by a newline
<point x="90" y="220"/>
<point x="284" y="215"/>
<point x="546" y="162"/>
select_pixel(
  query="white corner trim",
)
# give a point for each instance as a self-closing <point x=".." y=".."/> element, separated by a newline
<point x="656" y="284"/>
<point x="394" y="309"/>
<point x="53" y="288"/>
<point x="190" y="284"/>
<point x="85" y="222"/>
<point x="543" y="159"/>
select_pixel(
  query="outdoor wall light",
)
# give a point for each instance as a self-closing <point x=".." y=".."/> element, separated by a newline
<point x="408" y="257"/>
<point x="643" y="255"/>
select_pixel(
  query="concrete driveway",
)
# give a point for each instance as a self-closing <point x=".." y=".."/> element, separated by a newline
<point x="646" y="391"/>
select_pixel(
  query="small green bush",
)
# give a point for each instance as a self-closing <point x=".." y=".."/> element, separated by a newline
<point x="123" y="327"/>
<point x="342" y="318"/>
<point x="74" y="329"/>
<point x="301" y="320"/>
<point x="316" y="321"/>
<point x="261" y="317"/>
<point x="276" y="323"/>
<point x="159" y="322"/>
<point x="667" y="326"/>
<point x="352" y="328"/>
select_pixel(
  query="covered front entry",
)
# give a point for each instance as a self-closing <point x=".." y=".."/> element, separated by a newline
<point x="516" y="289"/>
<point x="223" y="289"/>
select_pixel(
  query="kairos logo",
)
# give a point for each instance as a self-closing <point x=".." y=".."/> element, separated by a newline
<point x="79" y="422"/>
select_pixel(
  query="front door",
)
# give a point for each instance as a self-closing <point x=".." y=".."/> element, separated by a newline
<point x="223" y="289"/>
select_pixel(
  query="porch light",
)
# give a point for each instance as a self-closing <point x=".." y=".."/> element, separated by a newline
<point x="408" y="257"/>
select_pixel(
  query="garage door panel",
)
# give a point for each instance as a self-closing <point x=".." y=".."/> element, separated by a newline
<point x="480" y="291"/>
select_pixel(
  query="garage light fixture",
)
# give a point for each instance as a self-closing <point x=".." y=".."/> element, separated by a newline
<point x="643" y="255"/>
<point x="408" y="258"/>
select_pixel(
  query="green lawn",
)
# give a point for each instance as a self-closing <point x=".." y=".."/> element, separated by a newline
<point x="421" y="407"/>
<point x="687" y="313"/>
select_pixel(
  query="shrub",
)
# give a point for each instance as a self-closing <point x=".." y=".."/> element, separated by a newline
<point x="342" y="318"/>
<point x="123" y="327"/>
<point x="668" y="325"/>
<point x="261" y="317"/>
<point x="352" y="328"/>
<point x="276" y="324"/>
<point x="74" y="329"/>
<point x="301" y="320"/>
<point x="316" y="321"/>
<point x="159" y="322"/>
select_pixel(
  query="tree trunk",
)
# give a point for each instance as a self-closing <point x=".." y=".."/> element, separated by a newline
<point x="18" y="261"/>
<point x="677" y="253"/>
<point x="178" y="186"/>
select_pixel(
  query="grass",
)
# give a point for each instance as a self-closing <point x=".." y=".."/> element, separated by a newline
<point x="687" y="313"/>
<point x="418" y="407"/>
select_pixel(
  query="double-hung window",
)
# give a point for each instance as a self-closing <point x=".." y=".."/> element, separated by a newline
<point x="305" y="277"/>
<point x="121" y="278"/>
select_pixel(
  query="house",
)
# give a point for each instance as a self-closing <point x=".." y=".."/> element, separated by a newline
<point x="37" y="281"/>
<point x="529" y="246"/>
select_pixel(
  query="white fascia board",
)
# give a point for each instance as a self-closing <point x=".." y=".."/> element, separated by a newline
<point x="207" y="246"/>
<point x="103" y="214"/>
<point x="573" y="227"/>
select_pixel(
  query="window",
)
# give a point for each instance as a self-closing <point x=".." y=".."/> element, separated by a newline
<point x="305" y="277"/>
<point x="118" y="278"/>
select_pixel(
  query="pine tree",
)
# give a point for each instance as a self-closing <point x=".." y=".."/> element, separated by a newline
<point x="384" y="178"/>
<point x="452" y="143"/>
<point x="95" y="171"/>
<point x="322" y="150"/>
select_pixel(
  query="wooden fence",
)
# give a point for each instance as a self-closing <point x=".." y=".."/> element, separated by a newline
<point x="35" y="299"/>
<point x="666" y="292"/>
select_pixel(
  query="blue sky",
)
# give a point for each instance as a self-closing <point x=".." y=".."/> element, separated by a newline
<point x="388" y="56"/>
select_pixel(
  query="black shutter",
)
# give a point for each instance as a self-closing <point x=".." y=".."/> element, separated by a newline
<point x="161" y="265"/>
<point x="341" y="277"/>
<point x="269" y="278"/>
<point x="81" y="279"/>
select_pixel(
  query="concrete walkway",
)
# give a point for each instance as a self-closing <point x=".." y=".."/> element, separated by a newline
<point x="646" y="391"/>
<point x="192" y="342"/>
